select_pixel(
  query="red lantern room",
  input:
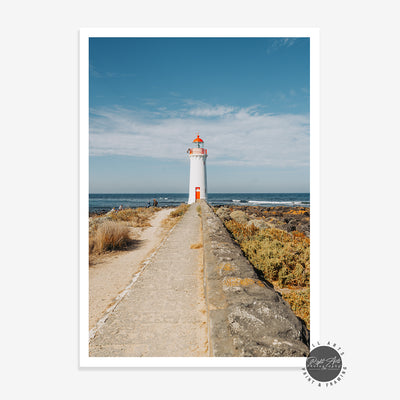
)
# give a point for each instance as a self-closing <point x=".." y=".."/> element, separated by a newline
<point x="199" y="142"/>
<point x="198" y="146"/>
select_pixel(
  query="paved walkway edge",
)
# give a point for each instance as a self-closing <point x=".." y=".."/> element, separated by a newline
<point x="247" y="317"/>
<point x="205" y="287"/>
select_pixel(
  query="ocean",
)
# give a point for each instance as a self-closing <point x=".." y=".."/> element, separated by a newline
<point x="105" y="202"/>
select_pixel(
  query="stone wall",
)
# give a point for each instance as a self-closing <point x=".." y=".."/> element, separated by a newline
<point x="247" y="317"/>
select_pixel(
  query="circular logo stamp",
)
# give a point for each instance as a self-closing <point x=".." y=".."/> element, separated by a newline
<point x="324" y="365"/>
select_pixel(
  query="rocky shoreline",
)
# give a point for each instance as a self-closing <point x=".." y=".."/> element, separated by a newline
<point x="286" y="218"/>
<point x="103" y="211"/>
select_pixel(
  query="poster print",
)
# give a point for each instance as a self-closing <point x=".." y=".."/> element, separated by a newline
<point x="199" y="164"/>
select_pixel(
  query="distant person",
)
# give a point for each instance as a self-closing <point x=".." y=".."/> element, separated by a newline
<point x="148" y="204"/>
<point x="113" y="210"/>
<point x="155" y="202"/>
<point x="120" y="208"/>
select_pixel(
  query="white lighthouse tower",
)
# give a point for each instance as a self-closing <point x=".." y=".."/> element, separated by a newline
<point x="198" y="174"/>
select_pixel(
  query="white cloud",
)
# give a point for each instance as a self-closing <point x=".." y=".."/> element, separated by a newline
<point x="287" y="42"/>
<point x="233" y="136"/>
<point x="211" y="111"/>
<point x="281" y="42"/>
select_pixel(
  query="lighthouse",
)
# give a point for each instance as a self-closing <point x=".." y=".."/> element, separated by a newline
<point x="198" y="174"/>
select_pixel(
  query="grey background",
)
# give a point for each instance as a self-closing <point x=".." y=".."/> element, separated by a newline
<point x="359" y="175"/>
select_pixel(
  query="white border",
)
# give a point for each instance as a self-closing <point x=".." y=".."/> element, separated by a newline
<point x="85" y="34"/>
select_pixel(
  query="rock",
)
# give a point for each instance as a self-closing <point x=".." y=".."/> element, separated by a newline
<point x="304" y="229"/>
<point x="271" y="221"/>
<point x="259" y="223"/>
<point x="239" y="216"/>
<point x="291" y="228"/>
<point x="224" y="213"/>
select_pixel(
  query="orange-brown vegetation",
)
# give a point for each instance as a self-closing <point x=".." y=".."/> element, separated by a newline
<point x="242" y="282"/>
<point x="282" y="257"/>
<point x="225" y="267"/>
<point x="299" y="301"/>
<point x="297" y="211"/>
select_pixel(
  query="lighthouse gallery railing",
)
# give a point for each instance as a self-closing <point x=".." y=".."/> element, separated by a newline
<point x="198" y="151"/>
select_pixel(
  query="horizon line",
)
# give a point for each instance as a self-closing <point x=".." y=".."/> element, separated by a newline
<point x="207" y="193"/>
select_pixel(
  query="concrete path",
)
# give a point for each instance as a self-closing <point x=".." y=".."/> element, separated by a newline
<point x="164" y="311"/>
<point x="109" y="276"/>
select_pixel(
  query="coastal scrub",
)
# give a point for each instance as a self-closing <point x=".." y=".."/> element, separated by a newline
<point x="282" y="257"/>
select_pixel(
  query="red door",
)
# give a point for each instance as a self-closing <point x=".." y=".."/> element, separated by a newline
<point x="197" y="197"/>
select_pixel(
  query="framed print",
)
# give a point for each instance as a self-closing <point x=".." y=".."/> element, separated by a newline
<point x="199" y="167"/>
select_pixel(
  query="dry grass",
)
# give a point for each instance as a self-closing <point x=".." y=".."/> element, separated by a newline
<point x="138" y="217"/>
<point x="174" y="216"/>
<point x="196" y="246"/>
<point x="110" y="232"/>
<point x="180" y="210"/>
<point x="110" y="235"/>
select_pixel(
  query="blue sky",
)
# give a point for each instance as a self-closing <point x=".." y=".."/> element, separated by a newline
<point x="247" y="97"/>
